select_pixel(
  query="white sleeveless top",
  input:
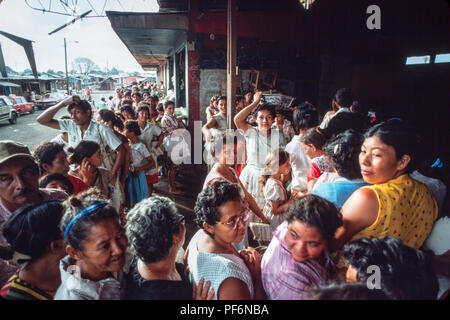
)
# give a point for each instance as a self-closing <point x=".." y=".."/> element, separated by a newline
<point x="213" y="174"/>
<point x="216" y="267"/>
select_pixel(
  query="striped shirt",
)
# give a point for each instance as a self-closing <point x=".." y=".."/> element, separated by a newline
<point x="284" y="278"/>
<point x="17" y="289"/>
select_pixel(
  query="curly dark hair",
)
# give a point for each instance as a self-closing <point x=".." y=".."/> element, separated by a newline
<point x="347" y="291"/>
<point x="210" y="199"/>
<point x="81" y="228"/>
<point x="150" y="227"/>
<point x="46" y="152"/>
<point x="316" y="212"/>
<point x="343" y="151"/>
<point x="405" y="272"/>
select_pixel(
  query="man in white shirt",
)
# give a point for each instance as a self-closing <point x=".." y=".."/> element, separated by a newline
<point x="304" y="118"/>
<point x="110" y="103"/>
<point x="342" y="100"/>
<point x="81" y="126"/>
<point x="117" y="99"/>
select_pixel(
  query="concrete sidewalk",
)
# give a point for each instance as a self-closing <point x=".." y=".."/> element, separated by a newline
<point x="191" y="177"/>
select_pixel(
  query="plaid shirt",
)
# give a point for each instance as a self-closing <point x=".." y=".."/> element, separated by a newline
<point x="170" y="123"/>
<point x="286" y="279"/>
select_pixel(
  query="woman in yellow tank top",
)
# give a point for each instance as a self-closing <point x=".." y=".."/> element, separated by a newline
<point x="395" y="204"/>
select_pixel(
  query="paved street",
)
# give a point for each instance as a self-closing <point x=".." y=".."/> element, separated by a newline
<point x="27" y="130"/>
<point x="31" y="133"/>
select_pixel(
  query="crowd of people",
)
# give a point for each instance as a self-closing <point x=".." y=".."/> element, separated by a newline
<point x="294" y="206"/>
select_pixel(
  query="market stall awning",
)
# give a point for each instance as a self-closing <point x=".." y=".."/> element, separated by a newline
<point x="8" y="84"/>
<point x="150" y="37"/>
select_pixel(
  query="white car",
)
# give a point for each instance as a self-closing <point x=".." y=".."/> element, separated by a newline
<point x="7" y="111"/>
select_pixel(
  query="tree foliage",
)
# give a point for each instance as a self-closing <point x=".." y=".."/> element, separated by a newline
<point x="83" y="65"/>
<point x="114" y="71"/>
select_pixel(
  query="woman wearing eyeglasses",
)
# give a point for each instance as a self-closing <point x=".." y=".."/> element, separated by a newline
<point x="223" y="217"/>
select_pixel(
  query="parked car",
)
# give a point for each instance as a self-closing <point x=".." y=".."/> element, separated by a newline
<point x="48" y="100"/>
<point x="21" y="104"/>
<point x="7" y="111"/>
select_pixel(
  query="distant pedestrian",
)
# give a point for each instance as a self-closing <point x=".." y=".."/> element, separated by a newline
<point x="102" y="104"/>
<point x="110" y="103"/>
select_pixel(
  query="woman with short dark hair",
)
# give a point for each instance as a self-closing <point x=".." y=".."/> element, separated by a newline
<point x="222" y="218"/>
<point x="301" y="246"/>
<point x="395" y="204"/>
<point x="36" y="244"/>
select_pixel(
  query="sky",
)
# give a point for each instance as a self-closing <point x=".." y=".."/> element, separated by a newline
<point x="96" y="38"/>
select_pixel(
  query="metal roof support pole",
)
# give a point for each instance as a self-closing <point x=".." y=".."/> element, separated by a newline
<point x="2" y="64"/>
<point x="231" y="63"/>
<point x="27" y="46"/>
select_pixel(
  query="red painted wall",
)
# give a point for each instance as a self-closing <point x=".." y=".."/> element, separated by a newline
<point x="284" y="26"/>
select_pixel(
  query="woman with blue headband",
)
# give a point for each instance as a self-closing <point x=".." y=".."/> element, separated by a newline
<point x="96" y="246"/>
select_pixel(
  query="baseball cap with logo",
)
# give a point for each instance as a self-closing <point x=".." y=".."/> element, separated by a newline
<point x="14" y="150"/>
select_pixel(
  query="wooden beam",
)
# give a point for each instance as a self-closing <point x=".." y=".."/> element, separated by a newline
<point x="231" y="63"/>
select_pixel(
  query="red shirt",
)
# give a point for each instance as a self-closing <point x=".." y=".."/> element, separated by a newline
<point x="78" y="184"/>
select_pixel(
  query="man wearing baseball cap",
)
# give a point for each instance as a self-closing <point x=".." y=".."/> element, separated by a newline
<point x="19" y="174"/>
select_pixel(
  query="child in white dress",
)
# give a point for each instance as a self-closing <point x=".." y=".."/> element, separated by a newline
<point x="275" y="195"/>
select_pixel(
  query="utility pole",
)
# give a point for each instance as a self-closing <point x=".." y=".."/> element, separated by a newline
<point x="67" y="74"/>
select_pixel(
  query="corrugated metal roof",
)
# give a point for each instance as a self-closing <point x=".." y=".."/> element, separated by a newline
<point x="8" y="84"/>
<point x="42" y="77"/>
